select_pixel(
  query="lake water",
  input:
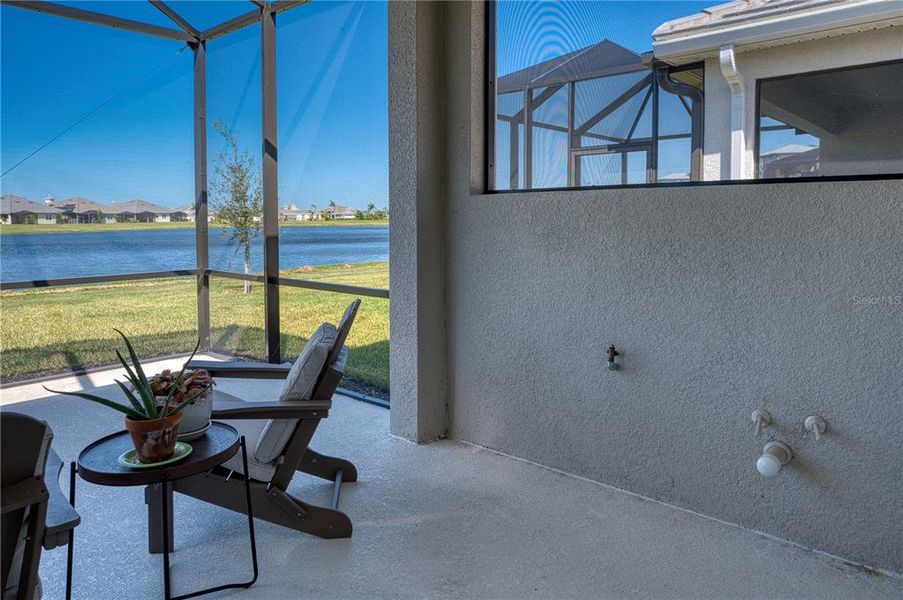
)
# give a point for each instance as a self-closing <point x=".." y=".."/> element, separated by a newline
<point x="58" y="255"/>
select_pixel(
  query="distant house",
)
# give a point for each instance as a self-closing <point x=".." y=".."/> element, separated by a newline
<point x="341" y="212"/>
<point x="790" y="160"/>
<point x="184" y="212"/>
<point x="15" y="209"/>
<point x="290" y="212"/>
<point x="140" y="211"/>
<point x="81" y="210"/>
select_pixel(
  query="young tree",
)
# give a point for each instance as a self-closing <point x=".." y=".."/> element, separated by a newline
<point x="237" y="194"/>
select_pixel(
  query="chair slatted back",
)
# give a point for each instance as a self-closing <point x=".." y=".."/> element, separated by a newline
<point x="343" y="329"/>
<point x="24" y="446"/>
<point x="326" y="386"/>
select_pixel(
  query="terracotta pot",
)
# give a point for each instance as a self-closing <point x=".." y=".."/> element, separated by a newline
<point x="155" y="439"/>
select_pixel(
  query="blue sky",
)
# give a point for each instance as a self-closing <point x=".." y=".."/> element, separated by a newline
<point x="332" y="59"/>
<point x="555" y="28"/>
<point x="333" y="129"/>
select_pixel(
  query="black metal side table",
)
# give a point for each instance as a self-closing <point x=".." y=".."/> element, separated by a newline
<point x="99" y="463"/>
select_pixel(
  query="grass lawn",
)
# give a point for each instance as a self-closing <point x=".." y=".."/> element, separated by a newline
<point x="57" y="329"/>
<point x="95" y="227"/>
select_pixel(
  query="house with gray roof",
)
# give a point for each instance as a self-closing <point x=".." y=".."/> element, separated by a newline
<point x="183" y="212"/>
<point x="80" y="210"/>
<point x="140" y="211"/>
<point x="16" y="209"/>
<point x="341" y="212"/>
<point x="291" y="212"/>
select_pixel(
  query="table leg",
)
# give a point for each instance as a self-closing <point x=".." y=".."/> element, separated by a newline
<point x="154" y="507"/>
<point x="250" y="510"/>
<point x="70" y="550"/>
<point x="164" y="518"/>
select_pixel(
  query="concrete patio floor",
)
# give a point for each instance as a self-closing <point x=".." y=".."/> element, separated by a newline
<point x="445" y="520"/>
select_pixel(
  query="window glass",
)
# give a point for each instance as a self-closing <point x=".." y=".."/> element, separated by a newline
<point x="510" y="128"/>
<point x="549" y="137"/>
<point x="841" y="122"/>
<point x="587" y="73"/>
<point x="616" y="94"/>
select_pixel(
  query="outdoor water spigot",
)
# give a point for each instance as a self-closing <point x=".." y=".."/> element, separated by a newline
<point x="613" y="363"/>
<point x="761" y="418"/>
<point x="774" y="456"/>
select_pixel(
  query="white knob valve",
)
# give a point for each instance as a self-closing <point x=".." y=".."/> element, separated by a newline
<point x="774" y="456"/>
<point x="816" y="425"/>
<point x="761" y="418"/>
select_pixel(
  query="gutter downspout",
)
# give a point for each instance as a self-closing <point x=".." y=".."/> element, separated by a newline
<point x="727" y="59"/>
<point x="663" y="78"/>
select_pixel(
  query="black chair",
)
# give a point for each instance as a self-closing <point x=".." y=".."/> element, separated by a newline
<point x="35" y="513"/>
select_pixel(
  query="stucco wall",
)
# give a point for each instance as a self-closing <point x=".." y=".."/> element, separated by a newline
<point x="818" y="55"/>
<point x="722" y="299"/>
<point x="416" y="250"/>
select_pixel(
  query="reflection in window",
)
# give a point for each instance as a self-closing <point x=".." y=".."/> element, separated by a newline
<point x="840" y="122"/>
<point x="575" y="108"/>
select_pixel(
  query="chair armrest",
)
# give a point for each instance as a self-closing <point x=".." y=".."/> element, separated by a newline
<point x="237" y="409"/>
<point x="61" y="516"/>
<point x="22" y="493"/>
<point x="242" y="369"/>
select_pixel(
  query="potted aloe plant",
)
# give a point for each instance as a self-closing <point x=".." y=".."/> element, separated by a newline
<point x="195" y="387"/>
<point x="152" y="422"/>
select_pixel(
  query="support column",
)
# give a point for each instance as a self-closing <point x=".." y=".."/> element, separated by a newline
<point x="573" y="140"/>
<point x="417" y="139"/>
<point x="652" y="167"/>
<point x="270" y="186"/>
<point x="202" y="260"/>
<point x="528" y="139"/>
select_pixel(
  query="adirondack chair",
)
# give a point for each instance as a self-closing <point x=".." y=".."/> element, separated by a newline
<point x="279" y="432"/>
<point x="35" y="513"/>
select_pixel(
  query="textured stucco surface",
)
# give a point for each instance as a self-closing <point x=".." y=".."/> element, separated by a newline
<point x="443" y="520"/>
<point x="722" y="299"/>
<point x="416" y="253"/>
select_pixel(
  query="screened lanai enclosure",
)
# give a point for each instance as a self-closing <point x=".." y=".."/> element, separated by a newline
<point x="221" y="67"/>
<point x="601" y="115"/>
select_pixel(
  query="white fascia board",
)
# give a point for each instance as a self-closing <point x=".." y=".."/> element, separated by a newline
<point x="781" y="29"/>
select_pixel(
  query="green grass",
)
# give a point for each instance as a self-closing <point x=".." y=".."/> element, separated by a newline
<point x="95" y="227"/>
<point x="58" y="329"/>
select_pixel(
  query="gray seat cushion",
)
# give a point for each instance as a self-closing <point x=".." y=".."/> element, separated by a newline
<point x="299" y="386"/>
<point x="261" y="471"/>
<point x="303" y="377"/>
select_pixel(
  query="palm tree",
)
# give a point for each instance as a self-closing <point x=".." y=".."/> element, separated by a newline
<point x="370" y="208"/>
<point x="313" y="211"/>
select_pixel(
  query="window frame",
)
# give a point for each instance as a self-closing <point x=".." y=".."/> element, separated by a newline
<point x="490" y="115"/>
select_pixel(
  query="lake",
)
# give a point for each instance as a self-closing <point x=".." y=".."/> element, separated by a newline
<point x="59" y="255"/>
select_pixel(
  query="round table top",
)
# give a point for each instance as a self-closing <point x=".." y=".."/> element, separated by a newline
<point x="99" y="462"/>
